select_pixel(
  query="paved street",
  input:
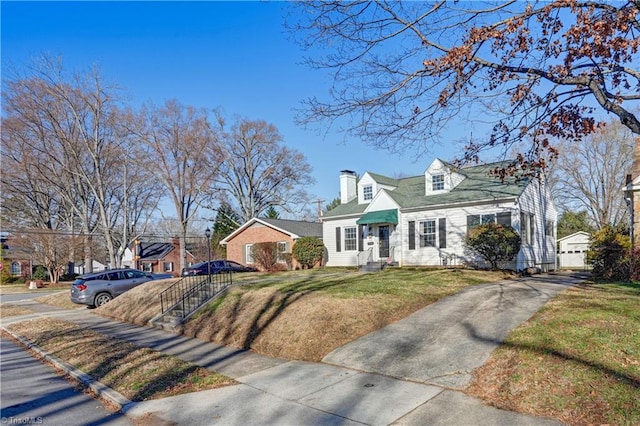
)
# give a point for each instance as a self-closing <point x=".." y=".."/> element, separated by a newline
<point x="33" y="393"/>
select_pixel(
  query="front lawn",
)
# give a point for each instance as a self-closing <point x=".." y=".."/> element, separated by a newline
<point x="577" y="359"/>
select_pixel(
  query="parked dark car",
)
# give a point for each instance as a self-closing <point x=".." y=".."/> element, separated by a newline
<point x="159" y="275"/>
<point x="216" y="266"/>
<point x="98" y="288"/>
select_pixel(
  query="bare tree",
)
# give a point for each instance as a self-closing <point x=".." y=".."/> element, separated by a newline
<point x="71" y="127"/>
<point x="39" y="190"/>
<point x="180" y="144"/>
<point x="404" y="72"/>
<point x="27" y="196"/>
<point x="590" y="175"/>
<point x="46" y="247"/>
<point x="259" y="172"/>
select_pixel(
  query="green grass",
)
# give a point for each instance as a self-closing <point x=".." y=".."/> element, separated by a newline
<point x="578" y="359"/>
<point x="404" y="282"/>
<point x="409" y="288"/>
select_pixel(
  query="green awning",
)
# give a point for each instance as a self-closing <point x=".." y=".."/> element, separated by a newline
<point x="381" y="216"/>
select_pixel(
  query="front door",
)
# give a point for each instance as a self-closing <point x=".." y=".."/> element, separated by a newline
<point x="383" y="241"/>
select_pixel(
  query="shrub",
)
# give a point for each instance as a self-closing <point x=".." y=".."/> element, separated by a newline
<point x="40" y="273"/>
<point x="494" y="242"/>
<point x="288" y="259"/>
<point x="635" y="264"/>
<point x="11" y="279"/>
<point x="266" y="256"/>
<point x="68" y="277"/>
<point x="609" y="254"/>
<point x="308" y="251"/>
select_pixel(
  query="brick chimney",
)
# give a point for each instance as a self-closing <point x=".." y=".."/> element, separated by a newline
<point x="347" y="186"/>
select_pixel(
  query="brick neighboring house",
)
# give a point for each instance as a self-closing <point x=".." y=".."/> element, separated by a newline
<point x="17" y="262"/>
<point x="157" y="257"/>
<point x="263" y="230"/>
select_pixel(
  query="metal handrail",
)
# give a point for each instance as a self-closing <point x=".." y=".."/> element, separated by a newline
<point x="369" y="253"/>
<point x="183" y="293"/>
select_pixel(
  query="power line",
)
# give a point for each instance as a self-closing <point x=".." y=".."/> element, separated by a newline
<point x="54" y="232"/>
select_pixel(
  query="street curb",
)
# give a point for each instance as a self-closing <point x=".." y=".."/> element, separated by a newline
<point x="99" y="388"/>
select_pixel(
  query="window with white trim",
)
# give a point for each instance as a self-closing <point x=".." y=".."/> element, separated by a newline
<point x="527" y="227"/>
<point x="16" y="268"/>
<point x="503" y="218"/>
<point x="167" y="266"/>
<point x="350" y="238"/>
<point x="147" y="267"/>
<point x="367" y="192"/>
<point x="549" y="228"/>
<point x="248" y="255"/>
<point x="428" y="233"/>
<point x="282" y="251"/>
<point x="437" y="182"/>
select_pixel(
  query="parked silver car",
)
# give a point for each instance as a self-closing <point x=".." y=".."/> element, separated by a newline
<point x="98" y="288"/>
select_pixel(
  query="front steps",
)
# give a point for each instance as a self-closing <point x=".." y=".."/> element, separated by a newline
<point x="172" y="319"/>
<point x="376" y="266"/>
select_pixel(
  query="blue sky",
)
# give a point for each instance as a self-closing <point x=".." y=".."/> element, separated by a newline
<point x="229" y="55"/>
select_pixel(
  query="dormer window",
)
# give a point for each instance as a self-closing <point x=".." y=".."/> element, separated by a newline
<point x="437" y="182"/>
<point x="367" y="192"/>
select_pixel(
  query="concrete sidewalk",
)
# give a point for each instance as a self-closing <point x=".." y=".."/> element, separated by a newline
<point x="278" y="391"/>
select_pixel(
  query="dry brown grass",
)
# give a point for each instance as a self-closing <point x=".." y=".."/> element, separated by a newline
<point x="138" y="305"/>
<point x="24" y="288"/>
<point x="8" y="310"/>
<point x="137" y="373"/>
<point x="60" y="299"/>
<point x="300" y="326"/>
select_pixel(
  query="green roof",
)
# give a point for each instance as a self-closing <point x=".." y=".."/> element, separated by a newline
<point x="477" y="185"/>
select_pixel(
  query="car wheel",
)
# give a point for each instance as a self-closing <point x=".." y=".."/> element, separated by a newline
<point x="101" y="299"/>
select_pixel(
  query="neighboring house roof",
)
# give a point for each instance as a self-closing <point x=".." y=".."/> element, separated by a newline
<point x="409" y="192"/>
<point x="293" y="228"/>
<point x="155" y="251"/>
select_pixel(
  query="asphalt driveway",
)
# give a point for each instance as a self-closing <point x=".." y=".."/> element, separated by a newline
<point x="444" y="342"/>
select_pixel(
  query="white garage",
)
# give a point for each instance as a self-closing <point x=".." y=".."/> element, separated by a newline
<point x="572" y="250"/>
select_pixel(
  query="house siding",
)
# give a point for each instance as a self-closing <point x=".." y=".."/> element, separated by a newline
<point x="542" y="252"/>
<point x="343" y="257"/>
<point x="455" y="220"/>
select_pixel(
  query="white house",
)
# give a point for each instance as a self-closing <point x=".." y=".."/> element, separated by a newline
<point x="81" y="269"/>
<point x="423" y="220"/>
<point x="572" y="250"/>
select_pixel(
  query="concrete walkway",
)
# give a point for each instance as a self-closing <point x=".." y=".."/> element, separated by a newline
<point x="405" y="373"/>
<point x="444" y="342"/>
